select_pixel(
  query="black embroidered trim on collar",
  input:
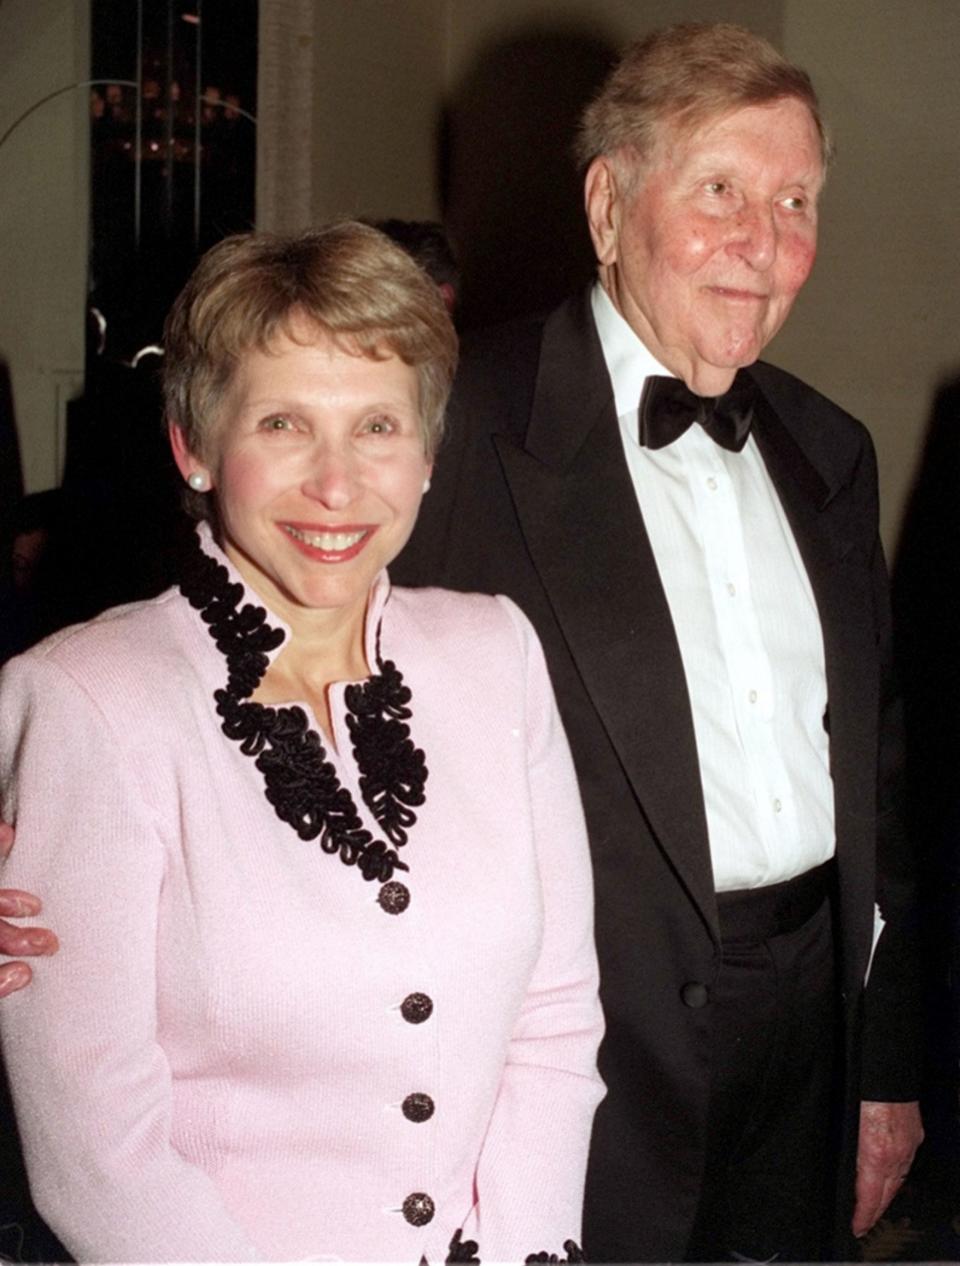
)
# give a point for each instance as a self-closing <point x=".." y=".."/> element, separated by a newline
<point x="300" y="782"/>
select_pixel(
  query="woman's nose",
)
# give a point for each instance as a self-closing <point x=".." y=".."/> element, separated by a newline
<point x="331" y="480"/>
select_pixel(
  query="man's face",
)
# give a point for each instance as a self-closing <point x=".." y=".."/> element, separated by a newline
<point x="705" y="257"/>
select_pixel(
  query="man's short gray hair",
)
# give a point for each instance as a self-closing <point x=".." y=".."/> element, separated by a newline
<point x="682" y="76"/>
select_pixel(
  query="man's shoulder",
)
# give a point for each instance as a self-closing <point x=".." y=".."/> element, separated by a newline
<point x="517" y="340"/>
<point x="513" y="348"/>
<point x="820" y="426"/>
<point x="796" y="401"/>
<point x="499" y="362"/>
<point x="503" y="367"/>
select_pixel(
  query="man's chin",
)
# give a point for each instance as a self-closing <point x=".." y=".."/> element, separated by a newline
<point x="710" y="379"/>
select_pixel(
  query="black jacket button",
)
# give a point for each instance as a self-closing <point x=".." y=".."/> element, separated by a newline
<point x="417" y="1107"/>
<point x="694" y="994"/>
<point x="418" y="1208"/>
<point x="416" y="1007"/>
<point x="394" y="897"/>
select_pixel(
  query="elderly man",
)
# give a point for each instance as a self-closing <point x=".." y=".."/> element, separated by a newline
<point x="705" y="574"/>
<point x="713" y="604"/>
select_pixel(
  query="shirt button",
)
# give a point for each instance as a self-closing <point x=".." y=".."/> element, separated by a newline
<point x="752" y="696"/>
<point x="417" y="1108"/>
<point x="712" y="484"/>
<point x="731" y="589"/>
<point x="777" y="806"/>
<point x="416" y="1007"/>
<point x="695" y="995"/>
<point x="394" y="897"/>
<point x="418" y="1208"/>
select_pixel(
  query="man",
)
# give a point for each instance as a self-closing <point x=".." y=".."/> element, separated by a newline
<point x="699" y="607"/>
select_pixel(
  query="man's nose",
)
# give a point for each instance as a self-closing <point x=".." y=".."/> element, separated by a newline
<point x="755" y="236"/>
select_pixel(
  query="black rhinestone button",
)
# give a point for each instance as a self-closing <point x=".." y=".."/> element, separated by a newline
<point x="695" y="995"/>
<point x="416" y="1007"/>
<point x="394" y="897"/>
<point x="418" y="1208"/>
<point x="418" y="1108"/>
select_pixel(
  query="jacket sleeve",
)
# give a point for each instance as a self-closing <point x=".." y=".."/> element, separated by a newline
<point x="891" y="1049"/>
<point x="892" y="1028"/>
<point x="530" y="1176"/>
<point x="92" y="1087"/>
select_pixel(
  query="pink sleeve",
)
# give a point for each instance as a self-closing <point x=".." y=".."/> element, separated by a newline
<point x="531" y="1172"/>
<point x="91" y="1085"/>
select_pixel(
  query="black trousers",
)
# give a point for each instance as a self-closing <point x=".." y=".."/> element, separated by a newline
<point x="770" y="1178"/>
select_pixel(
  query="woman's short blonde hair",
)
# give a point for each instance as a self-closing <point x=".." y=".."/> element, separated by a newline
<point x="682" y="76"/>
<point x="347" y="279"/>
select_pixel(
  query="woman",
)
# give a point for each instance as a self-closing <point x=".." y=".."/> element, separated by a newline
<point x="349" y="1008"/>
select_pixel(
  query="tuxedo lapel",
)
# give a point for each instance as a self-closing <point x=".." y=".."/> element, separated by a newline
<point x="578" y="512"/>
<point x="819" y="514"/>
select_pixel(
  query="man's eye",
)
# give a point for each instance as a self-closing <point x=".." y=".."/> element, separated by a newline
<point x="795" y="203"/>
<point x="717" y="187"/>
<point x="277" y="424"/>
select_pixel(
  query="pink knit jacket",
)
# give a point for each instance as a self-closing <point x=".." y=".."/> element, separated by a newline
<point x="223" y="1062"/>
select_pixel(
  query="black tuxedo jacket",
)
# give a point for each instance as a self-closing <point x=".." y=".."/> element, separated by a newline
<point x="531" y="497"/>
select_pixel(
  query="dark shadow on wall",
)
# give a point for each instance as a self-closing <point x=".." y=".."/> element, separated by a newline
<point x="11" y="474"/>
<point x="11" y="495"/>
<point x="119" y="523"/>
<point x="509" y="186"/>
<point x="111" y="532"/>
<point x="926" y="595"/>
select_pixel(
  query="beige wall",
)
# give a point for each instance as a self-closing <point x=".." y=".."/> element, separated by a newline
<point x="43" y="222"/>
<point x="379" y="77"/>
<point x="349" y="106"/>
<point x="878" y="328"/>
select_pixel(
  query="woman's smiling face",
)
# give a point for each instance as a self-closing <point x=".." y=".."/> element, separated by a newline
<point x="318" y="469"/>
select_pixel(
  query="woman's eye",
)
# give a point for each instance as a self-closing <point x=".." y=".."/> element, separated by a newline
<point x="795" y="203"/>
<point x="277" y="424"/>
<point x="717" y="187"/>
<point x="379" y="426"/>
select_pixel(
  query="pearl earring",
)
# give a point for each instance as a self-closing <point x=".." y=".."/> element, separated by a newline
<point x="197" y="481"/>
<point x="426" y="484"/>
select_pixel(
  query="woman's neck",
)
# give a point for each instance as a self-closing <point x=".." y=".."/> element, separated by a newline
<point x="322" y="649"/>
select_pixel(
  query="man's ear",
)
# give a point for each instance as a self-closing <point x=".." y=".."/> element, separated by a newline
<point x="187" y="464"/>
<point x="602" y="202"/>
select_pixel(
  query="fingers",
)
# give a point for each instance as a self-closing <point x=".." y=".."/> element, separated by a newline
<point x="874" y="1194"/>
<point x="17" y="904"/>
<point x="890" y="1134"/>
<point x="13" y="976"/>
<point x="19" y="942"/>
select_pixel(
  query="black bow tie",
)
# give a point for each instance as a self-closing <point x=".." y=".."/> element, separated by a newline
<point x="668" y="407"/>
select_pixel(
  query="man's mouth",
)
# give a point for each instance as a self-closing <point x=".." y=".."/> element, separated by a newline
<point x="732" y="292"/>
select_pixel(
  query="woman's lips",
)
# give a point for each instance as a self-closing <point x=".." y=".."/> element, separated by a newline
<point x="333" y="545"/>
